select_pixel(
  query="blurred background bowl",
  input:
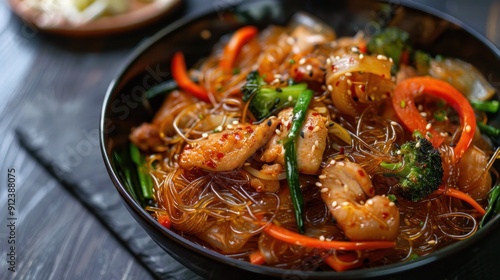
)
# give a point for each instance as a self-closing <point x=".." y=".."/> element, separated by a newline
<point x="123" y="108"/>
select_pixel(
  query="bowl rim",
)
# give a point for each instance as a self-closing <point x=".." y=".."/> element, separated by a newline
<point x="272" y="271"/>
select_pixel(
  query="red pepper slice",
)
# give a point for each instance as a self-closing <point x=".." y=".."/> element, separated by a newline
<point x="234" y="46"/>
<point x="404" y="105"/>
<point x="181" y="77"/>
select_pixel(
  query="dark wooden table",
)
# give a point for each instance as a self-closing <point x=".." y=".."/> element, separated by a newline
<point x="56" y="236"/>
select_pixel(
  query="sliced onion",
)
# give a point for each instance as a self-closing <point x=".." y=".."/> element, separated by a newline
<point x="464" y="77"/>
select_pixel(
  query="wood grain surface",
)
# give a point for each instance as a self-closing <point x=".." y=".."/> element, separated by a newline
<point x="58" y="237"/>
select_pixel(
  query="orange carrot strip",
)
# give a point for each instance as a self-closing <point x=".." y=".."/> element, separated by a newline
<point x="463" y="196"/>
<point x="256" y="257"/>
<point x="164" y="220"/>
<point x="181" y="77"/>
<point x="343" y="262"/>
<point x="234" y="46"/>
<point x="294" y="238"/>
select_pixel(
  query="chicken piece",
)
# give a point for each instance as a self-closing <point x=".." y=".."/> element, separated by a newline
<point x="263" y="185"/>
<point x="147" y="136"/>
<point x="345" y="187"/>
<point x="229" y="149"/>
<point x="310" y="144"/>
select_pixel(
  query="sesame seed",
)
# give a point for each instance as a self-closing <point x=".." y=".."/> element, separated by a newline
<point x="318" y="184"/>
<point x="316" y="143"/>
<point x="229" y="126"/>
<point x="328" y="61"/>
<point x="392" y="203"/>
<point x="246" y="164"/>
<point x="444" y="134"/>
<point x="423" y="114"/>
<point x="354" y="49"/>
<point x="332" y="162"/>
<point x="204" y="135"/>
<point x="420" y="107"/>
<point x="290" y="40"/>
<point x="302" y="61"/>
<point x="278" y="131"/>
<point x="431" y="242"/>
<point x="349" y="82"/>
<point x="313" y="148"/>
<point x="369" y="202"/>
<point x="349" y="92"/>
<point x="348" y="74"/>
<point x="275" y="81"/>
<point x="324" y="190"/>
<point x="394" y="123"/>
<point x="322" y="176"/>
<point x="334" y="204"/>
<point x="361" y="56"/>
<point x="330" y="88"/>
<point x="346" y="188"/>
<point x="381" y="57"/>
<point x="468" y="128"/>
<point x="309" y="67"/>
<point x="337" y="57"/>
<point x="390" y="59"/>
<point x="322" y="238"/>
<point x="290" y="98"/>
<point x="417" y="145"/>
<point x="428" y="126"/>
<point x="345" y="203"/>
<point x="316" y="128"/>
<point x="341" y="163"/>
<point x="236" y="122"/>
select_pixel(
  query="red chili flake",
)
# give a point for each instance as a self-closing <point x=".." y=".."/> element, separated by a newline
<point x="315" y="114"/>
<point x="334" y="68"/>
<point x="383" y="75"/>
<point x="385" y="215"/>
<point x="298" y="75"/>
<point x="310" y="127"/>
<point x="371" y="191"/>
<point x="362" y="88"/>
<point x="249" y="129"/>
<point x="188" y="147"/>
<point x="220" y="155"/>
<point x="361" y="173"/>
<point x="224" y="137"/>
<point x="341" y="150"/>
<point x="337" y="83"/>
<point x="210" y="163"/>
<point x="289" y="125"/>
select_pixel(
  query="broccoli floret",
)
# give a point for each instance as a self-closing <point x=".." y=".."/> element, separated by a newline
<point x="391" y="42"/>
<point x="266" y="100"/>
<point x="420" y="171"/>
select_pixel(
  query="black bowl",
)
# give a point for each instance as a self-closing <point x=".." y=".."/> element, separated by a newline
<point x="123" y="109"/>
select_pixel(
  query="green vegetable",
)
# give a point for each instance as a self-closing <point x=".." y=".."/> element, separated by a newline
<point x="391" y="42"/>
<point x="161" y="88"/>
<point x="145" y="180"/>
<point x="489" y="106"/>
<point x="291" y="165"/>
<point x="420" y="170"/>
<point x="266" y="100"/>
<point x="488" y="129"/>
<point x="422" y="61"/>
<point x="493" y="205"/>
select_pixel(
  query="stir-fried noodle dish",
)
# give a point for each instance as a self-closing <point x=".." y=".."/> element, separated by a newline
<point x="292" y="144"/>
